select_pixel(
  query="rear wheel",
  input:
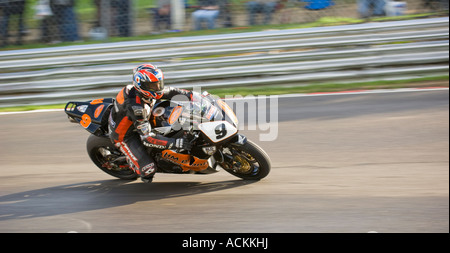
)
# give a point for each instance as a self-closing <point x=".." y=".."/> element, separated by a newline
<point x="108" y="158"/>
<point x="247" y="161"/>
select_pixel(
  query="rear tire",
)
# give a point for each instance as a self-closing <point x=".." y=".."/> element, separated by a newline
<point x="94" y="143"/>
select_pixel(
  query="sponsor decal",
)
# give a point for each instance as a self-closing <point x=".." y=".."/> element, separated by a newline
<point x="98" y="111"/>
<point x="97" y="101"/>
<point x="211" y="113"/>
<point x="187" y="162"/>
<point x="82" y="108"/>
<point x="155" y="143"/>
<point x="111" y="121"/>
<point x="148" y="169"/>
<point x="176" y="112"/>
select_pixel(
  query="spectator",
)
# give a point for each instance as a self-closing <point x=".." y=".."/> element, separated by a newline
<point x="317" y="4"/>
<point x="435" y="5"/>
<point x="225" y="13"/>
<point x="45" y="14"/>
<point x="208" y="12"/>
<point x="264" y="7"/>
<point x="161" y="15"/>
<point x="394" y="8"/>
<point x="100" y="12"/>
<point x="121" y="17"/>
<point x="365" y="8"/>
<point x="65" y="18"/>
<point x="10" y="8"/>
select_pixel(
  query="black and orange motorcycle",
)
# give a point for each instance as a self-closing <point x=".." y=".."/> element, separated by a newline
<point x="209" y="124"/>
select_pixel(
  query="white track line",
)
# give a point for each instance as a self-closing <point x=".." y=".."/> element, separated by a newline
<point x="32" y="111"/>
<point x="338" y="93"/>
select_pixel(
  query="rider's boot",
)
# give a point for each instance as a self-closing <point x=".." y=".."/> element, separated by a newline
<point x="147" y="172"/>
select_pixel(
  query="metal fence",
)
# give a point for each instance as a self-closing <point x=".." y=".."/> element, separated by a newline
<point x="349" y="53"/>
<point x="53" y="21"/>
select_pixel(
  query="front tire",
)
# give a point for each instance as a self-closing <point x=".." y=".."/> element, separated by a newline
<point x="248" y="161"/>
<point x="94" y="145"/>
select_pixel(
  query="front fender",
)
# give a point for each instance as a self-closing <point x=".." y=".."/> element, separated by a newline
<point x="239" y="139"/>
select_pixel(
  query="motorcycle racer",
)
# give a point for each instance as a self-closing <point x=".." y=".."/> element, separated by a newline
<point x="129" y="127"/>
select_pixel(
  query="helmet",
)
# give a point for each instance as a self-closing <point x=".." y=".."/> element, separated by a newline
<point x="148" y="80"/>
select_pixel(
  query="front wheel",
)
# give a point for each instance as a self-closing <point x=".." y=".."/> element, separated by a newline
<point x="247" y="161"/>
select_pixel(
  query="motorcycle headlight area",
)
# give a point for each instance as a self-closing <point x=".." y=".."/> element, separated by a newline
<point x="210" y="150"/>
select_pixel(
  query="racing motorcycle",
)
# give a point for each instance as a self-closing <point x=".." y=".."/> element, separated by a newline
<point x="206" y="121"/>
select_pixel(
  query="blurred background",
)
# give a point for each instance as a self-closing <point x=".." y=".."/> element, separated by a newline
<point x="59" y="50"/>
<point x="53" y="21"/>
<point x="348" y="163"/>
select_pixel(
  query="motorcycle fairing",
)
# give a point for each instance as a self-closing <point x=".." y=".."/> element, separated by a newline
<point x="185" y="161"/>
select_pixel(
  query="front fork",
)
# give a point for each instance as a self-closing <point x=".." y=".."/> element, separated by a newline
<point x="225" y="156"/>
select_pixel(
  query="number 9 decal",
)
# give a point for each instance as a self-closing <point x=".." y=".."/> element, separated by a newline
<point x="218" y="131"/>
<point x="85" y="121"/>
<point x="221" y="131"/>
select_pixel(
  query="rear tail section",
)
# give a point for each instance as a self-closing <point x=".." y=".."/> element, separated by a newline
<point x="91" y="115"/>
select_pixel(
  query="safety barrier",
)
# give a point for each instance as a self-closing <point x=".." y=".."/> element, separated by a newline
<point x="385" y="50"/>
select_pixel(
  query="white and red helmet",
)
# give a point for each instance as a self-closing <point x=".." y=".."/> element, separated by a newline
<point x="148" y="81"/>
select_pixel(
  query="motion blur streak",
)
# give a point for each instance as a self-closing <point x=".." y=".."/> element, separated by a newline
<point x="347" y="163"/>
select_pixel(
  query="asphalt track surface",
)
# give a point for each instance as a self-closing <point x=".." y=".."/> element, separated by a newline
<point x="342" y="163"/>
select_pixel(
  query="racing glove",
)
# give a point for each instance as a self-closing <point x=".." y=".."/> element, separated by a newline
<point x="183" y="143"/>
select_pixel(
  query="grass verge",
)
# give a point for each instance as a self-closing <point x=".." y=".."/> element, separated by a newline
<point x="436" y="81"/>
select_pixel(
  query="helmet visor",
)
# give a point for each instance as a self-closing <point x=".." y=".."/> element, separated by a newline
<point x="152" y="86"/>
<point x="153" y="89"/>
